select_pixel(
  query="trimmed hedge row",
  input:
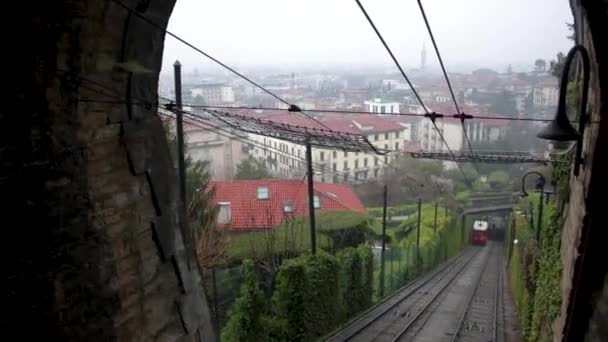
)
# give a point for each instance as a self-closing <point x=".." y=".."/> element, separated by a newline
<point x="312" y="296"/>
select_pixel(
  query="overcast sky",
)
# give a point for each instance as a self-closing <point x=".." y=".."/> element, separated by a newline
<point x="470" y="33"/>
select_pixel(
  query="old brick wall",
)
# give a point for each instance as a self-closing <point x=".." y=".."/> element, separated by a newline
<point x="94" y="242"/>
<point x="584" y="235"/>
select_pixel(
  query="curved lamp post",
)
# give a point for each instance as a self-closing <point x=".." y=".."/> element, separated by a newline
<point x="560" y="128"/>
<point x="540" y="186"/>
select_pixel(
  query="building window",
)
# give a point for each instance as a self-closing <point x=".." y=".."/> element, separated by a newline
<point x="316" y="202"/>
<point x="345" y="154"/>
<point x="386" y="136"/>
<point x="376" y="161"/>
<point x="263" y="193"/>
<point x="365" y="162"/>
<point x="334" y="166"/>
<point x="288" y="207"/>
<point x="375" y="137"/>
<point x="356" y="163"/>
<point x="397" y="146"/>
<point x="298" y="153"/>
<point x="375" y="172"/>
<point x="346" y="165"/>
<point x="322" y="156"/>
<point x="382" y="109"/>
<point x="292" y="152"/>
<point x="346" y="177"/>
<point x="386" y="146"/>
<point x="223" y="215"/>
<point x="397" y="135"/>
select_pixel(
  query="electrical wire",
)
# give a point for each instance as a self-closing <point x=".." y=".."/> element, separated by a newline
<point x="388" y="49"/>
<point x="433" y="115"/>
<point x="292" y="107"/>
<point x="209" y="126"/>
<point x="447" y="78"/>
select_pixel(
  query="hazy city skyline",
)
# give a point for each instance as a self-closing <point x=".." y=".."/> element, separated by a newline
<point x="336" y="34"/>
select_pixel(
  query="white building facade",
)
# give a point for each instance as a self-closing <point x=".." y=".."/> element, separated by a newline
<point x="287" y="159"/>
<point x="381" y="107"/>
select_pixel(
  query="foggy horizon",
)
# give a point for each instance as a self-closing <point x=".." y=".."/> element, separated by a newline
<point x="335" y="35"/>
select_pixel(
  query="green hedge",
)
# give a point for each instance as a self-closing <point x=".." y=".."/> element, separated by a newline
<point x="334" y="229"/>
<point x="323" y="310"/>
<point x="290" y="301"/>
<point x="534" y="273"/>
<point x="311" y="297"/>
<point x="246" y="314"/>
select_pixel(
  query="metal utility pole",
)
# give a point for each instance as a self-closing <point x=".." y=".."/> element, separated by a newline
<point x="179" y="128"/>
<point x="463" y="219"/>
<point x="540" y="215"/>
<point x="435" y="224"/>
<point x="383" y="243"/>
<point x="418" y="234"/>
<point x="311" y="204"/>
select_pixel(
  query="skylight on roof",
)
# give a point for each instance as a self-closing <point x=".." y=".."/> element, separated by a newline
<point x="263" y="193"/>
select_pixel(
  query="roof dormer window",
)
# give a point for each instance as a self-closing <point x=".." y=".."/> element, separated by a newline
<point x="263" y="193"/>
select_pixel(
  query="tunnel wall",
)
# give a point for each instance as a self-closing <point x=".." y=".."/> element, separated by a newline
<point x="583" y="249"/>
<point x="97" y="248"/>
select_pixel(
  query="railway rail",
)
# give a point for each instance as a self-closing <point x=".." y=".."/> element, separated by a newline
<point x="431" y="307"/>
<point x="479" y="321"/>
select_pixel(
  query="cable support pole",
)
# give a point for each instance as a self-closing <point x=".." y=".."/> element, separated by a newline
<point x="382" y="253"/>
<point x="311" y="205"/>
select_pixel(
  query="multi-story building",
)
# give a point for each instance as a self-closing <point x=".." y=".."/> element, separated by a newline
<point x="219" y="147"/>
<point x="381" y="107"/>
<point x="486" y="130"/>
<point x="546" y="95"/>
<point x="214" y="93"/>
<point x="287" y="159"/>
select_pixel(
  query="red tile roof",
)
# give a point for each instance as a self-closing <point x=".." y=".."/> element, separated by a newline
<point x="249" y="212"/>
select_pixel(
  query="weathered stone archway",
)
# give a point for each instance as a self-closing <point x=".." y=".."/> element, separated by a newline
<point x="94" y="246"/>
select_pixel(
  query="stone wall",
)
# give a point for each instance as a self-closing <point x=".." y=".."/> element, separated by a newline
<point x="95" y="249"/>
<point x="583" y="239"/>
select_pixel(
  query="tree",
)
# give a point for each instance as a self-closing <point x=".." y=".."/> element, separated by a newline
<point x="202" y="212"/>
<point x="557" y="65"/>
<point x="246" y="313"/>
<point x="540" y="65"/>
<point x="504" y="104"/>
<point x="498" y="180"/>
<point x="251" y="168"/>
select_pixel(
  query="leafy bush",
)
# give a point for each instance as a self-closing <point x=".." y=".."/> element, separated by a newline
<point x="350" y="283"/>
<point x="245" y="323"/>
<point x="367" y="275"/>
<point x="290" y="300"/>
<point x="323" y="305"/>
<point x="334" y="229"/>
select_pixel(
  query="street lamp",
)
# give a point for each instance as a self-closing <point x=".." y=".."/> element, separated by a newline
<point x="560" y="129"/>
<point x="540" y="186"/>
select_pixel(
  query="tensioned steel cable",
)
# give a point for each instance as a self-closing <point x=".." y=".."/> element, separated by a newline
<point x="292" y="107"/>
<point x="447" y="78"/>
<point x="433" y="115"/>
